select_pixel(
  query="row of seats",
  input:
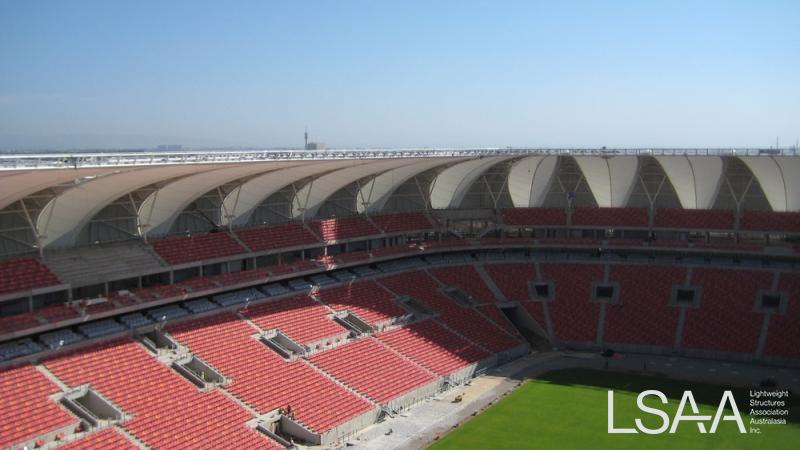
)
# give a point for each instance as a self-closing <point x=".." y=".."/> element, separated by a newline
<point x="433" y="346"/>
<point x="298" y="316"/>
<point x="277" y="236"/>
<point x="343" y="228"/>
<point x="372" y="369"/>
<point x="534" y="216"/>
<point x="197" y="247"/>
<point x="28" y="412"/>
<point x="694" y="219"/>
<point x="770" y="221"/>
<point x="168" y="411"/>
<point x="263" y="380"/>
<point x="366" y="299"/>
<point x="21" y="274"/>
<point x="393" y="223"/>
<point x="105" y="439"/>
<point x="610" y="217"/>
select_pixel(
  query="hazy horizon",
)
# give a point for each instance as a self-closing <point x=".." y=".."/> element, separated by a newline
<point x="110" y="75"/>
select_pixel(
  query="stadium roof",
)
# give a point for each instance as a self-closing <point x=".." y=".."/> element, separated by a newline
<point x="89" y="182"/>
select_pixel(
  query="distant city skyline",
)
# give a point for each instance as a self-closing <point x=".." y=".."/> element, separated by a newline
<point x="621" y="74"/>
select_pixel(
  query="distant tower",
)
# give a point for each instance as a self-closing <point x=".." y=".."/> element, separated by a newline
<point x="306" y="145"/>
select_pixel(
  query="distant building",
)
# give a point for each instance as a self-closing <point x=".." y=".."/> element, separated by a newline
<point x="169" y="148"/>
<point x="315" y="146"/>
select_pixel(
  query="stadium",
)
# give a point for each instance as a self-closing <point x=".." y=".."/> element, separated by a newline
<point x="393" y="298"/>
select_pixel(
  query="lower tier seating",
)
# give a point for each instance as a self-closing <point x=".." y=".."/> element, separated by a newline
<point x="465" y="321"/>
<point x="372" y="369"/>
<point x="574" y="317"/>
<point x="467" y="279"/>
<point x="169" y="411"/>
<point x="28" y="412"/>
<point x="644" y="292"/>
<point x="784" y="329"/>
<point x="263" y="380"/>
<point x="366" y="299"/>
<point x="298" y="316"/>
<point x="726" y="319"/>
<point x="433" y="346"/>
<point x="512" y="279"/>
<point x="108" y="438"/>
<point x="495" y="315"/>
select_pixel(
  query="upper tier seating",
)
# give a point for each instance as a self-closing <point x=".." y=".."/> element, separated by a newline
<point x="694" y="219"/>
<point x="393" y="223"/>
<point x="610" y="217"/>
<point x="169" y="411"/>
<point x="465" y="321"/>
<point x="784" y="332"/>
<point x="28" y="412"/>
<point x="263" y="380"/>
<point x="198" y="247"/>
<point x="467" y="279"/>
<point x="574" y="317"/>
<point x="770" y="221"/>
<point x="366" y="299"/>
<point x="21" y="274"/>
<point x="108" y="438"/>
<point x="276" y="236"/>
<point x="645" y="293"/>
<point x="298" y="316"/>
<point x="534" y="216"/>
<point x="433" y="346"/>
<point x="372" y="369"/>
<point x="725" y="320"/>
<point x="343" y="228"/>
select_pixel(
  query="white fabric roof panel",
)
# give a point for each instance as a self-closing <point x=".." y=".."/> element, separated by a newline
<point x="696" y="179"/>
<point x="241" y="202"/>
<point x="160" y="210"/>
<point x="65" y="215"/>
<point x="779" y="177"/>
<point x="17" y="185"/>
<point x="611" y="178"/>
<point x="452" y="184"/>
<point x="311" y="196"/>
<point x="529" y="180"/>
<point x="381" y="188"/>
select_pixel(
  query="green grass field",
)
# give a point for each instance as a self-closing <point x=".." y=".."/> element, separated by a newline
<point x="567" y="409"/>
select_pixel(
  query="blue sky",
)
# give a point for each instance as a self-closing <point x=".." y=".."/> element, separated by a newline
<point x="80" y="74"/>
